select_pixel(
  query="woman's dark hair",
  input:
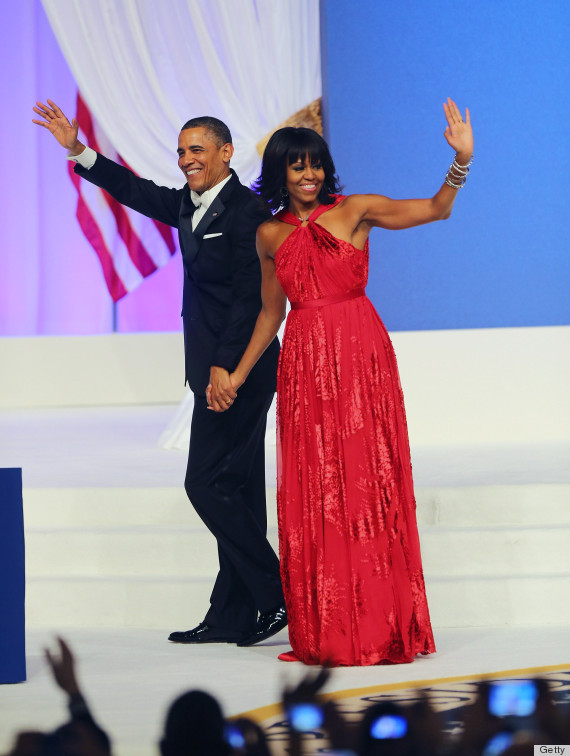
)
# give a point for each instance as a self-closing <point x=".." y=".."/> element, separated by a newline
<point x="285" y="147"/>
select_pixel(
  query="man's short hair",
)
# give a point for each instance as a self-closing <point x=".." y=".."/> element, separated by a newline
<point x="217" y="130"/>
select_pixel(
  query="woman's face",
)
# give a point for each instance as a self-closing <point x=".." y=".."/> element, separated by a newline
<point x="304" y="180"/>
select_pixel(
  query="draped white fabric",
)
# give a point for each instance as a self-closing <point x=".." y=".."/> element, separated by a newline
<point x="144" y="68"/>
<point x="50" y="278"/>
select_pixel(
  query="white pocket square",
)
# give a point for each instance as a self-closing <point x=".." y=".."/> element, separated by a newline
<point x="211" y="236"/>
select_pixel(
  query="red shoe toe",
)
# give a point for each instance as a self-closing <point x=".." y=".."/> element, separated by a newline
<point x="288" y="656"/>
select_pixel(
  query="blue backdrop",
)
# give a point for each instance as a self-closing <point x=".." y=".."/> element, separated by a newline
<point x="502" y="258"/>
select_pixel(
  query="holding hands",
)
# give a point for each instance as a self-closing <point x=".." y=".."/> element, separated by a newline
<point x="220" y="393"/>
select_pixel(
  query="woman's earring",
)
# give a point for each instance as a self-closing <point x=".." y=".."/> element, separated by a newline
<point x="284" y="193"/>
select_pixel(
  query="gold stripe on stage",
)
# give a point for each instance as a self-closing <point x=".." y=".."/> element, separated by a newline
<point x="263" y="713"/>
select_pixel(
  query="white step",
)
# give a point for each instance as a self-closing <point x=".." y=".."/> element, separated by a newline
<point x="190" y="551"/>
<point x="142" y="557"/>
<point x="499" y="600"/>
<point x="115" y="507"/>
<point x="180" y="604"/>
<point x="532" y="504"/>
<point x="140" y="551"/>
<point x="505" y="551"/>
<point x="150" y="602"/>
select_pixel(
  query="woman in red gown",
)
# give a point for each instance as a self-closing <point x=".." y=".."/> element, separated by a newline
<point x="349" y="548"/>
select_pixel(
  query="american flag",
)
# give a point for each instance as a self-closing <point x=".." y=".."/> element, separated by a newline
<point x="129" y="246"/>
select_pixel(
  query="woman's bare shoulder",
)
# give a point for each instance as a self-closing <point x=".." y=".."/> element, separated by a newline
<point x="269" y="235"/>
<point x="348" y="204"/>
<point x="356" y="206"/>
<point x="356" y="200"/>
<point x="269" y="227"/>
<point x="269" y="230"/>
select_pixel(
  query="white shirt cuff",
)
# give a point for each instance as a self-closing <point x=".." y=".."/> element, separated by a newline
<point x="86" y="159"/>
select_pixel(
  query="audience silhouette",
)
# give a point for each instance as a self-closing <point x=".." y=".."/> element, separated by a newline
<point x="506" y="717"/>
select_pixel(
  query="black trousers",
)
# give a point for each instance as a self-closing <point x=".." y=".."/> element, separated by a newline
<point x="225" y="481"/>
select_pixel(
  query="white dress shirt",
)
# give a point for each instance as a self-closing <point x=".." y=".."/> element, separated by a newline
<point x="204" y="200"/>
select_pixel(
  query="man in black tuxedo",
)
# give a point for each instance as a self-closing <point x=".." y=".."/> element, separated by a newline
<point x="217" y="218"/>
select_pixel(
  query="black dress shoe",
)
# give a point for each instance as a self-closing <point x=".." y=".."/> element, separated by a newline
<point x="268" y="624"/>
<point x="202" y="634"/>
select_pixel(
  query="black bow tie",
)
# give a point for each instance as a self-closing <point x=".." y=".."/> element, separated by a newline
<point x="197" y="199"/>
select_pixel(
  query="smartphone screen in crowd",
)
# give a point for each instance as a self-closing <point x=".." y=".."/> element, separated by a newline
<point x="388" y="726"/>
<point x="513" y="698"/>
<point x="304" y="717"/>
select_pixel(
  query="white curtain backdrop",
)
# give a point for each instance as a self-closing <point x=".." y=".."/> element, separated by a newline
<point x="144" y="68"/>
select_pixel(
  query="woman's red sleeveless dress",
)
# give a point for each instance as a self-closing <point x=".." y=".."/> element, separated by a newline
<point x="349" y="548"/>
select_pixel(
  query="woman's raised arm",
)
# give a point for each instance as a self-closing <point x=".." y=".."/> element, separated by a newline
<point x="376" y="210"/>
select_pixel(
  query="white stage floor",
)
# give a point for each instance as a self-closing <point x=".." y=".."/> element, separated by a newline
<point x="118" y="446"/>
<point x="131" y="674"/>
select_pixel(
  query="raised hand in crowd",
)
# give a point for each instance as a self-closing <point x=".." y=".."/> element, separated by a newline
<point x="505" y="718"/>
<point x="81" y="736"/>
<point x="62" y="666"/>
<point x="246" y="738"/>
<point x="306" y="713"/>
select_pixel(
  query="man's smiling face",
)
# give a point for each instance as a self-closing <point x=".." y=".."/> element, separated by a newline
<point x="203" y="162"/>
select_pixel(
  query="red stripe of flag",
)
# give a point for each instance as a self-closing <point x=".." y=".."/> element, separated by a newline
<point x="164" y="230"/>
<point x="136" y="249"/>
<point x="93" y="233"/>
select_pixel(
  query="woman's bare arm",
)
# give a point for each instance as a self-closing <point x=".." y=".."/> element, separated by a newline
<point x="269" y="319"/>
<point x="370" y="210"/>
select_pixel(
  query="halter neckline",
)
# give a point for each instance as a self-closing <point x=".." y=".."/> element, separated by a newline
<point x="287" y="216"/>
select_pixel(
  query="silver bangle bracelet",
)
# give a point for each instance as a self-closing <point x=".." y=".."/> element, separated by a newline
<point x="464" y="166"/>
<point x="458" y="171"/>
<point x="452" y="185"/>
<point x="457" y="174"/>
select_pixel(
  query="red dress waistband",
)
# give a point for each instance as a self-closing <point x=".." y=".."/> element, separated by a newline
<point x="333" y="299"/>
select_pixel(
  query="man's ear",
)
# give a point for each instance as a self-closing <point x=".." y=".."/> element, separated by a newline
<point x="227" y="152"/>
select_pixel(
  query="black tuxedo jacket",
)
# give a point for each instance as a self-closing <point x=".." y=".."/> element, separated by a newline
<point x="222" y="274"/>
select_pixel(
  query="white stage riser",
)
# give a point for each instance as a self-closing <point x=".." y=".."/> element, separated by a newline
<point x="142" y="557"/>
<point x="455" y="506"/>
<point x="179" y="605"/>
<point x="461" y="386"/>
<point x="191" y="552"/>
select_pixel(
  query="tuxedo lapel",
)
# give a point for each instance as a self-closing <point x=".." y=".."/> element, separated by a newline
<point x="191" y="240"/>
<point x="214" y="211"/>
<point x="216" y="208"/>
<point x="188" y="242"/>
